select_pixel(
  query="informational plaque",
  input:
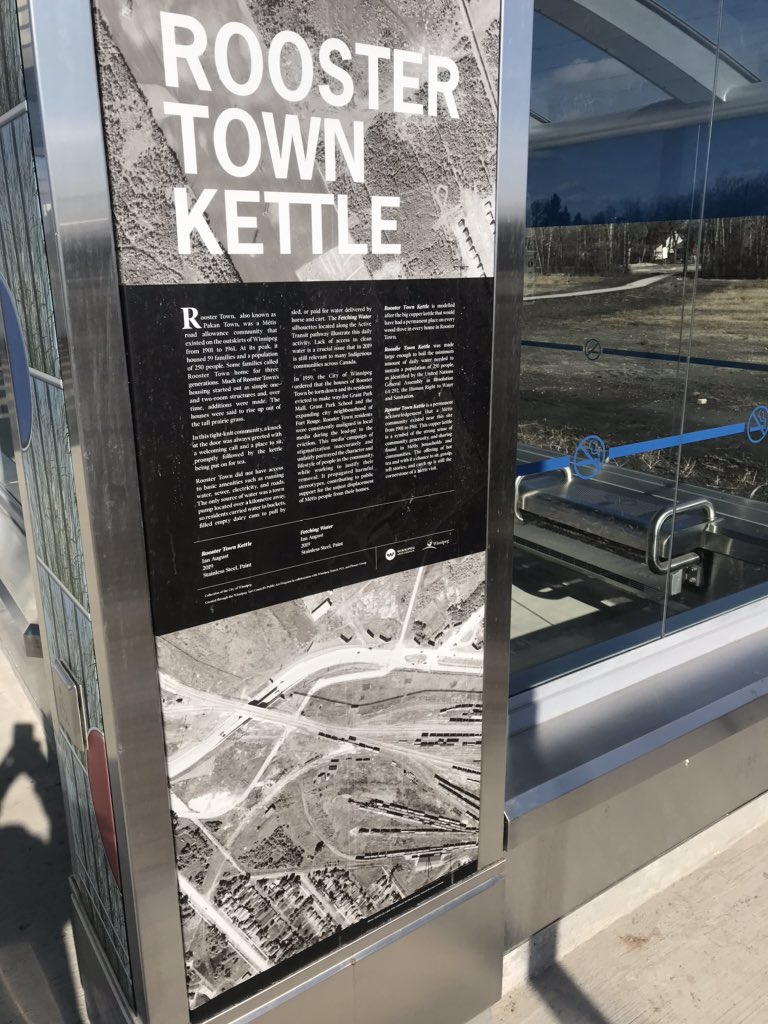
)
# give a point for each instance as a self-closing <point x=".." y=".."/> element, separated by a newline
<point x="303" y="199"/>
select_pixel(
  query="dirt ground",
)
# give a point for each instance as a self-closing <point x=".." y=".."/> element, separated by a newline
<point x="623" y="398"/>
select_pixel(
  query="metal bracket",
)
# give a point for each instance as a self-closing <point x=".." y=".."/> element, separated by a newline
<point x="69" y="706"/>
<point x="655" y="564"/>
<point x="33" y="644"/>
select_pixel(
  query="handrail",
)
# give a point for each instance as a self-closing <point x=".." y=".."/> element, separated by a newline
<point x="655" y="563"/>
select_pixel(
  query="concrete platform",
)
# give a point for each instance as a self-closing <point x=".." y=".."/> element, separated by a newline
<point x="693" y="954"/>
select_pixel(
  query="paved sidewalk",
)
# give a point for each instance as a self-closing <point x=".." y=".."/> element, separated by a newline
<point x="695" y="954"/>
<point x="37" y="959"/>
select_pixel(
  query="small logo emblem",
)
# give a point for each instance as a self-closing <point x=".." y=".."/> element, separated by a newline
<point x="390" y="554"/>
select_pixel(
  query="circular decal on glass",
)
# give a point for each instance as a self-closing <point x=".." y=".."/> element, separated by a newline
<point x="757" y="424"/>
<point x="593" y="349"/>
<point x="589" y="457"/>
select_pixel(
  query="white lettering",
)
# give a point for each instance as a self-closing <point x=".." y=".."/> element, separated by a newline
<point x="374" y="55"/>
<point x="402" y="82"/>
<point x="292" y="141"/>
<point x="379" y="225"/>
<point x="236" y="222"/>
<point x="221" y="143"/>
<point x="315" y="201"/>
<point x="354" y="155"/>
<point x="283" y="202"/>
<point x="274" y="60"/>
<point x="189" y="220"/>
<point x="221" y="53"/>
<point x="190" y="315"/>
<point x="174" y="51"/>
<point x="346" y="246"/>
<point x="336" y="99"/>
<point x="442" y="86"/>
<point x="187" y="113"/>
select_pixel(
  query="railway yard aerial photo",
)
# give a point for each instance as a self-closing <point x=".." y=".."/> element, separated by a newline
<point x="324" y="763"/>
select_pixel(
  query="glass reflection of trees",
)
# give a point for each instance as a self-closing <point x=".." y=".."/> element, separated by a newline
<point x="646" y="291"/>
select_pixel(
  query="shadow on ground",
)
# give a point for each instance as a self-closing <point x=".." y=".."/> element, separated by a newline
<point x="36" y="985"/>
<point x="561" y="997"/>
<point x="564" y="998"/>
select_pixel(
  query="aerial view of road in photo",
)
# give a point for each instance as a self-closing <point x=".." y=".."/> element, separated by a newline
<point x="324" y="762"/>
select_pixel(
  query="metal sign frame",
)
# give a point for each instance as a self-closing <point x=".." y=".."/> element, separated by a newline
<point x="63" y="95"/>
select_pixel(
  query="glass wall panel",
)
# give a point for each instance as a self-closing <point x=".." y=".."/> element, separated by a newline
<point x="11" y="82"/>
<point x="618" y="158"/>
<point x="743" y="33"/>
<point x="724" y="460"/>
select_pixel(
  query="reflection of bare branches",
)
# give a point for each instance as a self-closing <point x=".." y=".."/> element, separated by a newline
<point x="651" y="460"/>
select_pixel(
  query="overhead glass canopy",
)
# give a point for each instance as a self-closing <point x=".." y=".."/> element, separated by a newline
<point x="603" y="68"/>
<point x="573" y="78"/>
<point x="744" y="30"/>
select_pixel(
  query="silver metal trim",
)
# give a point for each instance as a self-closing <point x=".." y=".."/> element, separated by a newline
<point x="69" y="706"/>
<point x="33" y="641"/>
<point x="65" y="114"/>
<point x="12" y="508"/>
<point x="594" y="768"/>
<point x="13" y="113"/>
<point x="511" y="180"/>
<point x="567" y="850"/>
<point x="616" y="771"/>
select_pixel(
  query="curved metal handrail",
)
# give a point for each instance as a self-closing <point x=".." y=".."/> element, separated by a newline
<point x="655" y="563"/>
<point x="518" y="480"/>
